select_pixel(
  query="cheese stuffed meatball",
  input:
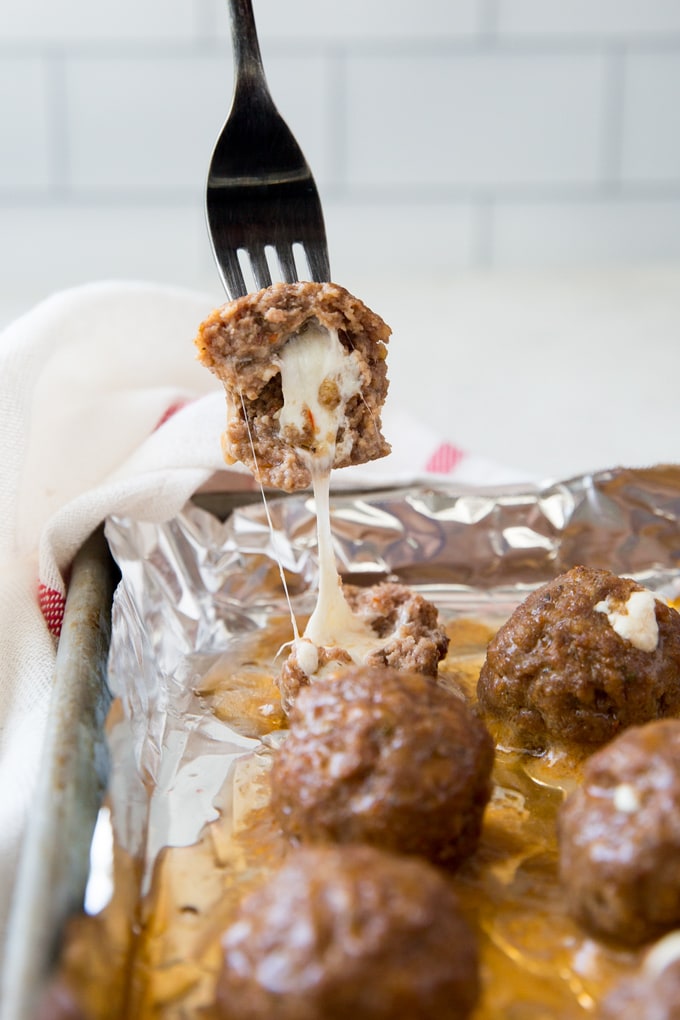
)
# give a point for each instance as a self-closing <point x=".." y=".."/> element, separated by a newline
<point x="384" y="757"/>
<point x="349" y="933"/>
<point x="305" y="376"/>
<point x="580" y="659"/>
<point x="619" y="836"/>
<point x="405" y="629"/>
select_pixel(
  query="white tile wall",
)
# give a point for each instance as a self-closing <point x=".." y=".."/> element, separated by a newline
<point x="597" y="19"/>
<point x="141" y="124"/>
<point x="443" y="135"/>
<point x="588" y="233"/>
<point x="374" y="239"/>
<point x="651" y="119"/>
<point x="62" y="245"/>
<point x="359" y="21"/>
<point x="25" y="162"/>
<point x="480" y="121"/>
<point x="70" y="21"/>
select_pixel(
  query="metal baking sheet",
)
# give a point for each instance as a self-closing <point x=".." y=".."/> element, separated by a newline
<point x="55" y="861"/>
<point x="192" y="585"/>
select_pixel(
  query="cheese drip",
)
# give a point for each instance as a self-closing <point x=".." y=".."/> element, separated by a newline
<point x="314" y="365"/>
<point x="333" y="623"/>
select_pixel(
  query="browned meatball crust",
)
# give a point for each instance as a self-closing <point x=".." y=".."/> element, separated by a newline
<point x="349" y="933"/>
<point x="414" y="638"/>
<point x="384" y="757"/>
<point x="619" y="836"/>
<point x="240" y="343"/>
<point x="558" y="671"/>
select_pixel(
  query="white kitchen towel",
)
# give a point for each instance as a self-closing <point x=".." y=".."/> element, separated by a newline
<point x="104" y="409"/>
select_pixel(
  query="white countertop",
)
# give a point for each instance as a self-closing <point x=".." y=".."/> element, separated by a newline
<point x="553" y="373"/>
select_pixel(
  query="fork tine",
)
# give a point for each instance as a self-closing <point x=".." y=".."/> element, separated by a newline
<point x="319" y="265"/>
<point x="232" y="276"/>
<point x="258" y="261"/>
<point x="287" y="262"/>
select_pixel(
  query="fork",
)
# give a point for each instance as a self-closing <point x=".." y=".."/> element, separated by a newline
<point x="260" y="192"/>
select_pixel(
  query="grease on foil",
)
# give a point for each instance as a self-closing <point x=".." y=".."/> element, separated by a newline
<point x="195" y="585"/>
<point x="195" y="720"/>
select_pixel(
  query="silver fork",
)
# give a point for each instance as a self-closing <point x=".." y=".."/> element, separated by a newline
<point x="260" y="190"/>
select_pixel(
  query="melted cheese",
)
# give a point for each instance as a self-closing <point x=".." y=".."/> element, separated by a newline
<point x="635" y="620"/>
<point x="307" y="655"/>
<point x="318" y="377"/>
<point x="333" y="623"/>
<point x="626" y="799"/>
<point x="313" y="365"/>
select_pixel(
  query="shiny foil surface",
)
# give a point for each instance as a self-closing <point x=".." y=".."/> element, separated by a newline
<point x="208" y="585"/>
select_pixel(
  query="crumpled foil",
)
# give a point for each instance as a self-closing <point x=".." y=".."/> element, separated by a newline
<point x="196" y="583"/>
<point x="197" y="618"/>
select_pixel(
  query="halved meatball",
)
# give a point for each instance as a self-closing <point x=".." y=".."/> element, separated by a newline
<point x="408" y="635"/>
<point x="580" y="659"/>
<point x="349" y="933"/>
<point x="384" y="757"/>
<point x="414" y="638"/>
<point x="619" y="836"/>
<point x="244" y="343"/>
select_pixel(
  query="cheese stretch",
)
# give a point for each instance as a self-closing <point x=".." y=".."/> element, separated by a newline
<point x="318" y="378"/>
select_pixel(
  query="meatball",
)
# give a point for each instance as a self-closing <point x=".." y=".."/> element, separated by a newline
<point x="297" y="672"/>
<point x="343" y="385"/>
<point x="387" y="758"/>
<point x="349" y="933"/>
<point x="619" y="836"/>
<point x="408" y="623"/>
<point x="581" y="658"/>
<point x="412" y="637"/>
<point x="653" y="993"/>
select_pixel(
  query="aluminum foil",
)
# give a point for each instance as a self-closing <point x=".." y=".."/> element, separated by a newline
<point x="200" y="592"/>
<point x="194" y="585"/>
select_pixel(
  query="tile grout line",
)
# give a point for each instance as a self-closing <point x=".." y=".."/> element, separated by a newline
<point x="538" y="195"/>
<point x="337" y="126"/>
<point x="57" y="112"/>
<point x="613" y="116"/>
<point x="206" y="33"/>
<point x="488" y="19"/>
<point x="205" y="21"/>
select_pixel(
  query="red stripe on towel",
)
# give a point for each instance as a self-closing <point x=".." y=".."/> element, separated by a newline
<point x="52" y="607"/>
<point x="173" y="409"/>
<point x="444" y="459"/>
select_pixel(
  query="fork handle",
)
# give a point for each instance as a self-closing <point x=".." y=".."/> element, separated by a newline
<point x="247" y="56"/>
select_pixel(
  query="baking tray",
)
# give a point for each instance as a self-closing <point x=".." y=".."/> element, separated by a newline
<point x="482" y="547"/>
<point x="54" y="863"/>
